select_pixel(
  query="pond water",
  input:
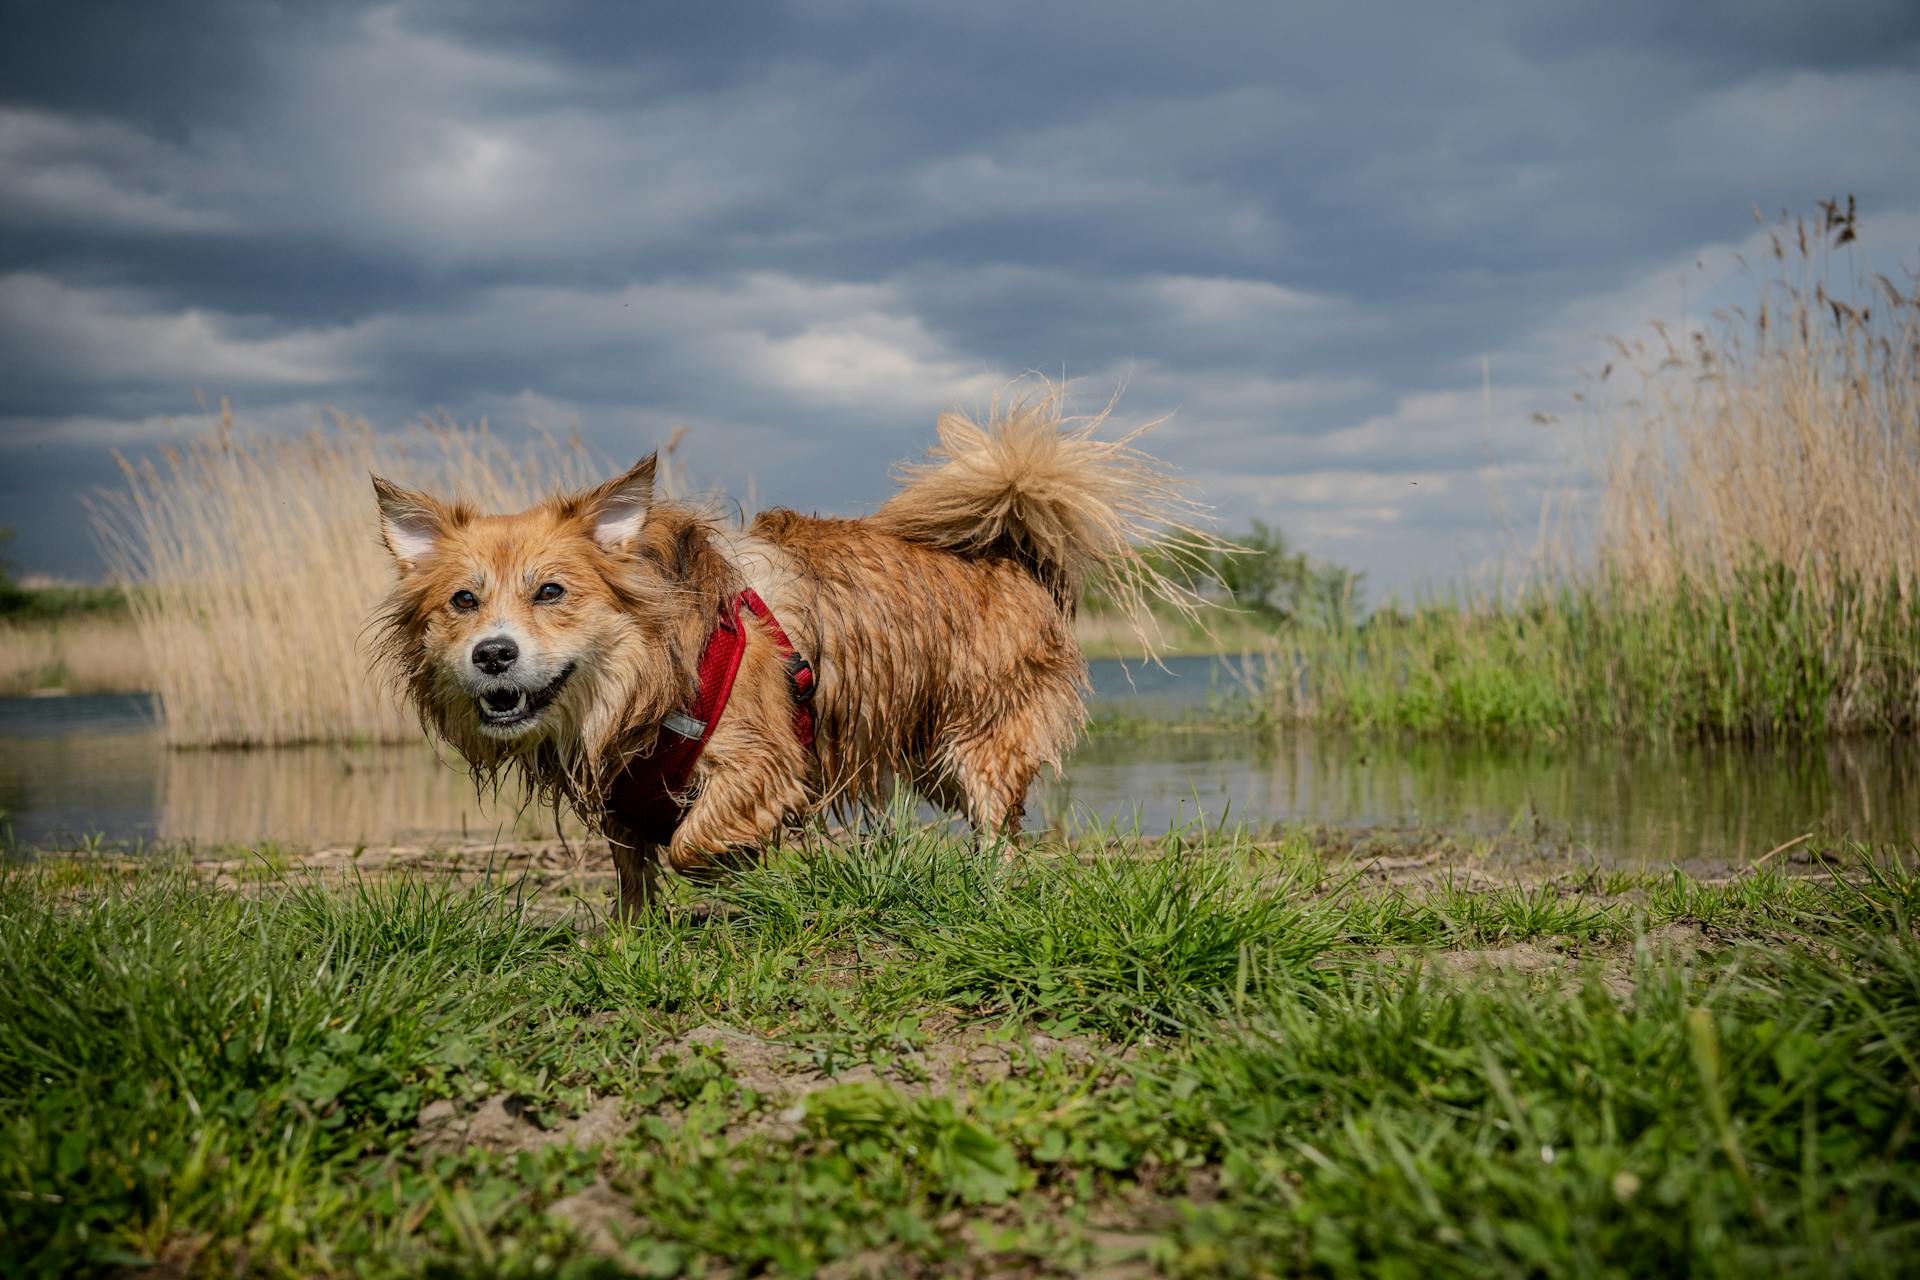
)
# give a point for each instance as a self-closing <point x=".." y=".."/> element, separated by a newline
<point x="74" y="768"/>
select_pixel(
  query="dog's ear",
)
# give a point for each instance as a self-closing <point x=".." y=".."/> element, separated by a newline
<point x="410" y="522"/>
<point x="618" y="508"/>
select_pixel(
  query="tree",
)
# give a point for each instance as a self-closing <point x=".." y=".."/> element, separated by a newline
<point x="1265" y="575"/>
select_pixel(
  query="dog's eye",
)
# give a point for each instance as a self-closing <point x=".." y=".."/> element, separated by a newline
<point x="549" y="591"/>
<point x="465" y="601"/>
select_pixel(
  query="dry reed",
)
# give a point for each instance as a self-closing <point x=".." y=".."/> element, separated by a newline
<point x="256" y="562"/>
<point x="1788" y="435"/>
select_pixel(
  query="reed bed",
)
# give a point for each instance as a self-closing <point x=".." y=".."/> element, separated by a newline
<point x="254" y="563"/>
<point x="1784" y="437"/>
<point x="1746" y="567"/>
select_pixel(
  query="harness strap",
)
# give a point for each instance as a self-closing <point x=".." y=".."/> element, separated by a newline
<point x="800" y="677"/>
<point x="647" y="794"/>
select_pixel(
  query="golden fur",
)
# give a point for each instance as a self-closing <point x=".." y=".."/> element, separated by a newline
<point x="940" y="630"/>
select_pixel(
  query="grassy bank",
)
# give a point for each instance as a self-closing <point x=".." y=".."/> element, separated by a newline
<point x="66" y="636"/>
<point x="92" y="652"/>
<point x="1200" y="1058"/>
<point x="1767" y="655"/>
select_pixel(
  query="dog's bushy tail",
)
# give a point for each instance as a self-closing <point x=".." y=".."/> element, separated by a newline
<point x="1075" y="510"/>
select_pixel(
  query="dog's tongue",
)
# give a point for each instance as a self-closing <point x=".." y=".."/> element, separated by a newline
<point x="503" y="699"/>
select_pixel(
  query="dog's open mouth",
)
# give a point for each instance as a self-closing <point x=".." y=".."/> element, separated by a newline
<point x="511" y="708"/>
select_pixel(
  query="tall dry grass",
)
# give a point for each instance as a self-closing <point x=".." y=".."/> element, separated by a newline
<point x="1788" y="435"/>
<point x="256" y="562"/>
<point x="1747" y="564"/>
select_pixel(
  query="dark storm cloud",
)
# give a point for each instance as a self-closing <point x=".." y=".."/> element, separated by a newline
<point x="805" y="227"/>
<point x="128" y="59"/>
<point x="1733" y="38"/>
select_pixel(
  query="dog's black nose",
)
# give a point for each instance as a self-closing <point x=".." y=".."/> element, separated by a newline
<point x="495" y="654"/>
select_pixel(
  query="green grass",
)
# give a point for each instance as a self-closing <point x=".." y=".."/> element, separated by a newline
<point x="1769" y="657"/>
<point x="1260" y="1062"/>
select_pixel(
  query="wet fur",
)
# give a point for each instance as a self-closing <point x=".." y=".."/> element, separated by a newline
<point x="940" y="629"/>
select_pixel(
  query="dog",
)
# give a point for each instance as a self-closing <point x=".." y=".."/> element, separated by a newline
<point x="695" y="688"/>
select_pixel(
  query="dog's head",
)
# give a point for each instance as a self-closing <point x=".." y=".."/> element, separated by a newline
<point x="514" y="632"/>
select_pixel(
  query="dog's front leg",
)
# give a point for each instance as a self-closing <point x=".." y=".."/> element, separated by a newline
<point x="743" y="801"/>
<point x="637" y="861"/>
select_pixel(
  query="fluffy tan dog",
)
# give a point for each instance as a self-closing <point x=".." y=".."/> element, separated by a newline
<point x="566" y="642"/>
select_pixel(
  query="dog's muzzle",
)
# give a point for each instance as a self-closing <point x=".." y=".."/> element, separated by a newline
<point x="511" y="707"/>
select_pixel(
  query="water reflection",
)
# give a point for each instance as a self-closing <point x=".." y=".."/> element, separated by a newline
<point x="74" y="767"/>
<point x="71" y="768"/>
<point x="1639" y="805"/>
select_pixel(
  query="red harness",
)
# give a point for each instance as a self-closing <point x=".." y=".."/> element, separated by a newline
<point x="647" y="794"/>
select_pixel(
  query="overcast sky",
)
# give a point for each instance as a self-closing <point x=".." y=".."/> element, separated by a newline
<point x="803" y="229"/>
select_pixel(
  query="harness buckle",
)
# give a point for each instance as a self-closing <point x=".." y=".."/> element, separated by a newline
<point x="800" y="677"/>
